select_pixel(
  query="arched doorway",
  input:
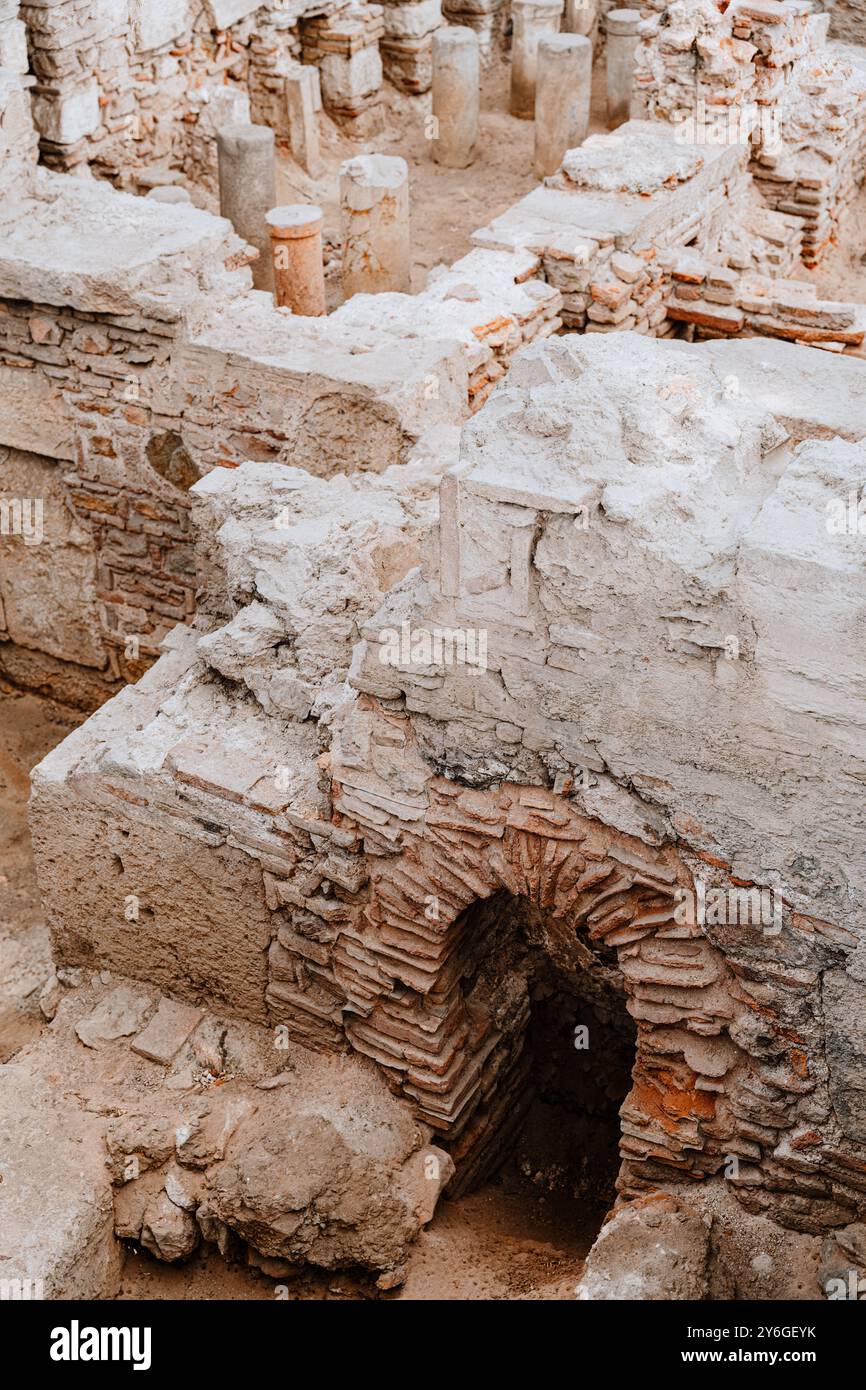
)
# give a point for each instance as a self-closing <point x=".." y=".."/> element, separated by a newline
<point x="550" y="1123"/>
<point x="440" y="980"/>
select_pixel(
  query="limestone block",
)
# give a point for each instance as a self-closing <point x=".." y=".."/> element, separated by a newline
<point x="119" y="1015"/>
<point x="652" y="1250"/>
<point x="297" y="1175"/>
<point x="13" y="46"/>
<point x="349" y="81"/>
<point x="220" y="104"/>
<point x="412" y="21"/>
<point x="167" y="1230"/>
<point x="33" y="414"/>
<point x="167" y="1031"/>
<point x="68" y="115"/>
<point x="18" y="137"/>
<point x="40" y="261"/>
<point x="156" y="22"/>
<point x="222" y="14"/>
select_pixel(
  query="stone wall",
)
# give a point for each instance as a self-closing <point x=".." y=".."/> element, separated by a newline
<point x="764" y="69"/>
<point x="650" y="729"/>
<point x="124" y="84"/>
<point x="641" y="230"/>
<point x="145" y="367"/>
<point x="86" y="340"/>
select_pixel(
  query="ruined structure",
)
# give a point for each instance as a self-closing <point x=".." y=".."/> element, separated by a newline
<point x="475" y="678"/>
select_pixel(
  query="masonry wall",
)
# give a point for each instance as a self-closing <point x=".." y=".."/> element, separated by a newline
<point x="604" y="761"/>
<point x="141" y="375"/>
<point x="768" y="63"/>
<point x="122" y="84"/>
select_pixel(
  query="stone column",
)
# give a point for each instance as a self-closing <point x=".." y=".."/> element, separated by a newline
<point x="621" y="29"/>
<point x="456" y="96"/>
<point x="374" y="202"/>
<point x="303" y="126"/>
<point x="530" y="19"/>
<point x="579" y="17"/>
<point x="248" y="189"/>
<point x="296" y="246"/>
<point x="562" y="95"/>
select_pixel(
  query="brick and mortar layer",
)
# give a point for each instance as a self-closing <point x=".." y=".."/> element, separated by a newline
<point x="608" y="755"/>
<point x="130" y="373"/>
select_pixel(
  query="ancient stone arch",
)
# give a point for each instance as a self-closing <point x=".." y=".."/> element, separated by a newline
<point x="598" y="890"/>
<point x="728" y="1075"/>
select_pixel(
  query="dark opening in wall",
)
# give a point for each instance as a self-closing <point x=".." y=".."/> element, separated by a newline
<point x="568" y="1047"/>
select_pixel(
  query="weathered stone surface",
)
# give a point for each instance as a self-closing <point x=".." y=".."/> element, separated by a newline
<point x="651" y="1251"/>
<point x="119" y="1015"/>
<point x="844" y="1000"/>
<point x="167" y="1031"/>
<point x="167" y="1230"/>
<point x="329" y="1175"/>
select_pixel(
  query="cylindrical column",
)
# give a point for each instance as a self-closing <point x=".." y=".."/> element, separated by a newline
<point x="621" y="29"/>
<point x="296" y="245"/>
<point x="562" y="94"/>
<point x="530" y="19"/>
<point x="579" y="16"/>
<point x="374" y="202"/>
<point x="456" y="96"/>
<point x="248" y="189"/>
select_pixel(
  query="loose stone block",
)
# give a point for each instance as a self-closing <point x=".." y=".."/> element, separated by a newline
<point x="374" y="201"/>
<point x="455" y="96"/>
<point x="248" y="190"/>
<point x="167" y="1031"/>
<point x="531" y="19"/>
<point x="622" y="40"/>
<point x="562" y="98"/>
<point x="296" y="248"/>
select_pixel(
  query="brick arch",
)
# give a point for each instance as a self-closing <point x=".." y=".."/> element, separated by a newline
<point x="402" y="965"/>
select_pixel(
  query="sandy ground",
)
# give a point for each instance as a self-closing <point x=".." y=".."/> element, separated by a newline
<point x="842" y="275"/>
<point x="509" y="1240"/>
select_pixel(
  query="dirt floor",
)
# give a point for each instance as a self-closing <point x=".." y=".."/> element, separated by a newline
<point x="510" y="1240"/>
<point x="842" y="274"/>
<point x="504" y="1242"/>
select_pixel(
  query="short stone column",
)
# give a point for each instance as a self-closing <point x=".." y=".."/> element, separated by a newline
<point x="579" y="17"/>
<point x="456" y="96"/>
<point x="296" y="248"/>
<point x="248" y="189"/>
<point x="562" y="95"/>
<point x="622" y="39"/>
<point x="530" y="19"/>
<point x="374" y="203"/>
